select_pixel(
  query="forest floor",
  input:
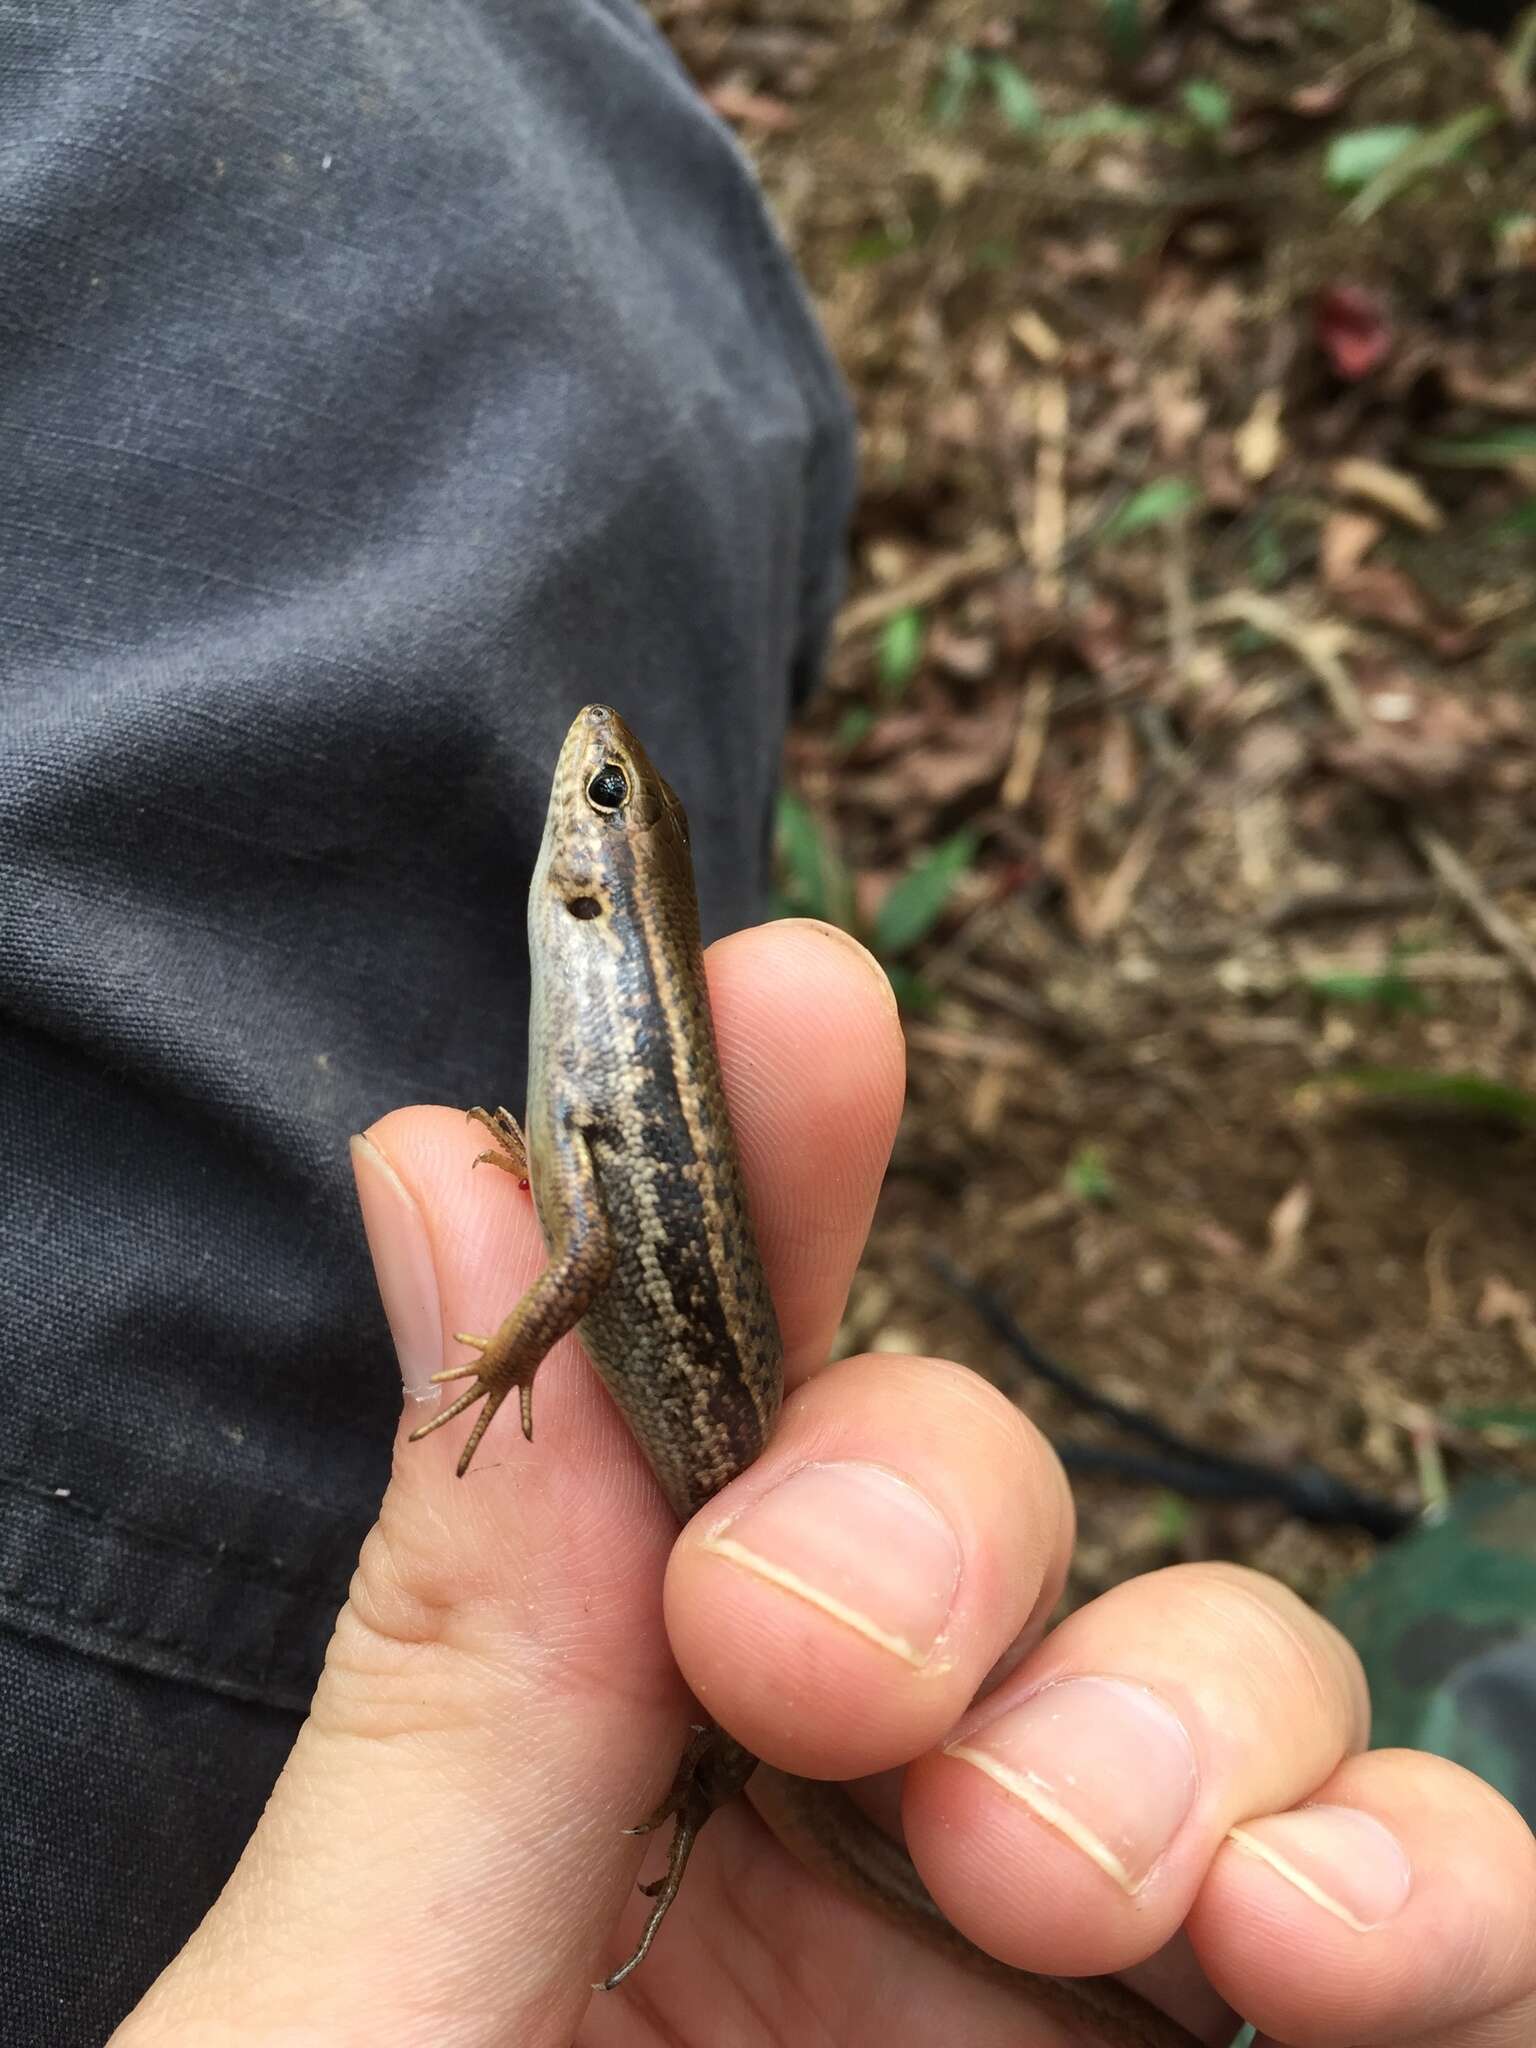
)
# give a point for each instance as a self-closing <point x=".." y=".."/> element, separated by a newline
<point x="1178" y="747"/>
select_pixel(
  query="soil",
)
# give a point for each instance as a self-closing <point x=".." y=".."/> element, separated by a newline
<point x="1192" y="613"/>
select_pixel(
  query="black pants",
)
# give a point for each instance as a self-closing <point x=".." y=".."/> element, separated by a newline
<point x="379" y="385"/>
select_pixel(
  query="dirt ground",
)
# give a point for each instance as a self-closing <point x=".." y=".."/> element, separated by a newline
<point x="1189" y="662"/>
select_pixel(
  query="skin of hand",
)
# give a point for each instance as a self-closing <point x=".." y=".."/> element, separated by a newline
<point x="1172" y="1783"/>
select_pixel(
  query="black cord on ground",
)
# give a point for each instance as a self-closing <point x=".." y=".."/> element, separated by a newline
<point x="1310" y="1493"/>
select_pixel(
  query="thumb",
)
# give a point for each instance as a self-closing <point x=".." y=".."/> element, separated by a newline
<point x="443" y="1859"/>
<point x="444" y="1856"/>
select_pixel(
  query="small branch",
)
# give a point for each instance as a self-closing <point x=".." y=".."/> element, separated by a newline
<point x="1453" y="871"/>
<point x="1318" y="646"/>
<point x="1029" y="741"/>
<point x="983" y="557"/>
<point x="1048" y="530"/>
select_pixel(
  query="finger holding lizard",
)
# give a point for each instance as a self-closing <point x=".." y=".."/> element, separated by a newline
<point x="443" y="1859"/>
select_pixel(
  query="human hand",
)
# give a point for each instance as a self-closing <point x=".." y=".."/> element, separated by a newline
<point x="443" y="1860"/>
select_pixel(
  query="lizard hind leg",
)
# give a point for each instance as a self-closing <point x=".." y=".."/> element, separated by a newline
<point x="512" y="1148"/>
<point x="711" y="1771"/>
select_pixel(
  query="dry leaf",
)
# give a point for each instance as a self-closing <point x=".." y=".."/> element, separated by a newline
<point x="1416" y="741"/>
<point x="956" y="172"/>
<point x="1499" y="1303"/>
<point x="954" y="758"/>
<point x="1403" y="496"/>
<point x="1221" y="479"/>
<point x="1036" y="336"/>
<point x="970" y="656"/>
<point x="1218" y="1240"/>
<point x="1256" y="24"/>
<point x="751" y="109"/>
<point x="1287" y="1224"/>
<point x="1387" y="597"/>
<point x="1469" y="386"/>
<point x="1259" y="442"/>
<point x="1347" y="539"/>
<point x="1119" y="762"/>
<point x="1178" y="410"/>
<point x="1270" y="753"/>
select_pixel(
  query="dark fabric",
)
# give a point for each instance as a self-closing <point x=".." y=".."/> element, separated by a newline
<point x="381" y="382"/>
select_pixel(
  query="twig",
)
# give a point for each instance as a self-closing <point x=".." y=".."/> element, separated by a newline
<point x="1048" y="530"/>
<point x="1029" y="741"/>
<point x="1098" y="918"/>
<point x="1177" y="599"/>
<point x="1363" y="901"/>
<point x="969" y="1045"/>
<point x="1318" y="647"/>
<point x="1453" y="871"/>
<point x="1315" y="645"/>
<point x="982" y="558"/>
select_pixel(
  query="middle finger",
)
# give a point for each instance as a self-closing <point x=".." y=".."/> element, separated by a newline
<point x="1069" y="1821"/>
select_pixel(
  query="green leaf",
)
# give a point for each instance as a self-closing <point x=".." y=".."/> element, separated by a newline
<point x="1521" y="520"/>
<point x="1388" y="989"/>
<point x="1421" y="156"/>
<point x="856" y="723"/>
<point x="1361" y="154"/>
<point x="1517" y="67"/>
<point x="1394" y="993"/>
<point x="1172" y="1519"/>
<point x="1153" y="505"/>
<point x="994" y="254"/>
<point x="900" y="651"/>
<point x="1480" y="451"/>
<point x="1096" y="122"/>
<point x="878" y="247"/>
<point x="1507" y="1420"/>
<point x="1088" y="1176"/>
<point x="957" y="78"/>
<point x="916" y="903"/>
<point x="1126" y="28"/>
<point x="909" y="988"/>
<point x="815" y="882"/>
<point x="1207" y="104"/>
<point x="1467" y="1095"/>
<point x="1270" y="562"/>
<point x="1016" y="98"/>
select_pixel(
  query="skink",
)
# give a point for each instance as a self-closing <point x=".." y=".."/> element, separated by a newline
<point x="627" y="1147"/>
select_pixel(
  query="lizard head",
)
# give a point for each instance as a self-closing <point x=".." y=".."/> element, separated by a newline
<point x="615" y="837"/>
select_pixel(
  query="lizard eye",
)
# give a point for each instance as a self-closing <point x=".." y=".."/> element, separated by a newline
<point x="608" y="791"/>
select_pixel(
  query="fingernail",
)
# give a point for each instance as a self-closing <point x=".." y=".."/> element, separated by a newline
<point x="402" y="1265"/>
<point x="861" y="1545"/>
<point x="1342" y="1860"/>
<point x="1105" y="1763"/>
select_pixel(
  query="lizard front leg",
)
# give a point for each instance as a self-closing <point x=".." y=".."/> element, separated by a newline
<point x="556" y="1302"/>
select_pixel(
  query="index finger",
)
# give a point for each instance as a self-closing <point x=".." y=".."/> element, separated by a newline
<point x="814" y="1064"/>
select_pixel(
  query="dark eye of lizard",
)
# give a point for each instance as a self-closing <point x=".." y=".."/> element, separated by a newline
<point x="608" y="791"/>
<point x="584" y="907"/>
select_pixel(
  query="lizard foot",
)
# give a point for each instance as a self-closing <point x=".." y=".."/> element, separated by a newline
<point x="501" y="1367"/>
<point x="712" y="1771"/>
<point x="511" y="1154"/>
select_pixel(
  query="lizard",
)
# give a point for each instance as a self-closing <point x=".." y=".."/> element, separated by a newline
<point x="628" y="1150"/>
